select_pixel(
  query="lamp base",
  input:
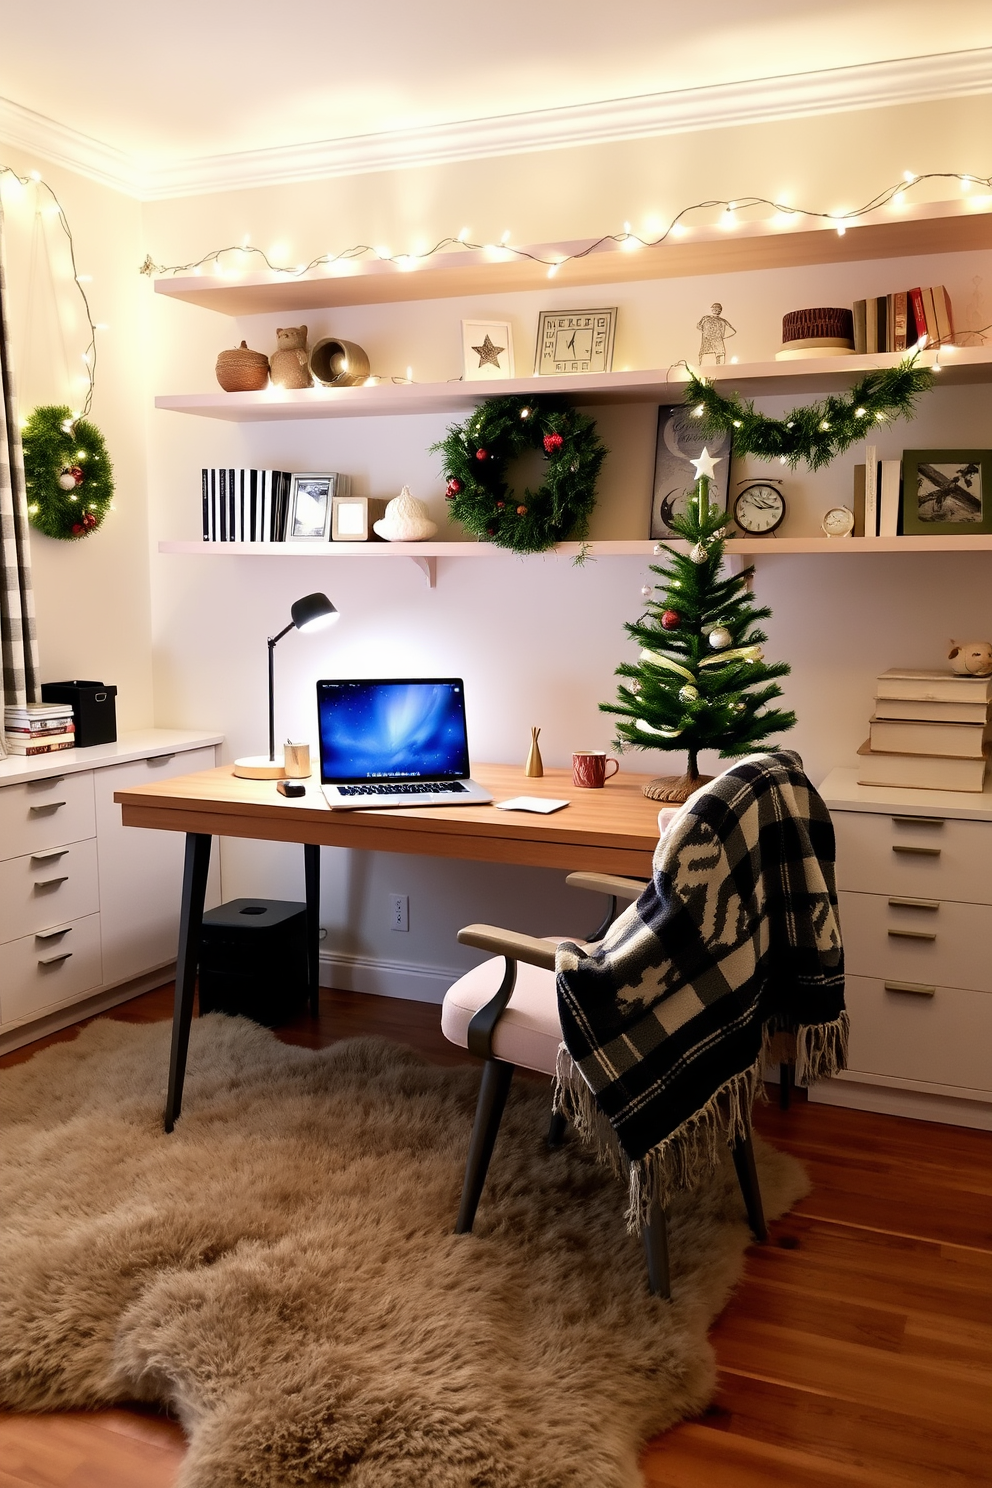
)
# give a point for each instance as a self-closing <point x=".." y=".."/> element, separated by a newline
<point x="260" y="767"/>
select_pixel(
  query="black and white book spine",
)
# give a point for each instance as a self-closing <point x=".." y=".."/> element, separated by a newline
<point x="205" y="503"/>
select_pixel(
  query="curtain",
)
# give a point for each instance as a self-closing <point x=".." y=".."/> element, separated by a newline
<point x="18" y="641"/>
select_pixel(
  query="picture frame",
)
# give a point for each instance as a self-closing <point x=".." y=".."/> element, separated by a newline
<point x="946" y="493"/>
<point x="352" y="518"/>
<point x="571" y="342"/>
<point x="308" y="518"/>
<point x="487" y="351"/>
<point x="678" y="443"/>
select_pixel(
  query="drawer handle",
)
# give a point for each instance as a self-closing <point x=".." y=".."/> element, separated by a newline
<point x="914" y="987"/>
<point x="47" y="783"/>
<point x="914" y="934"/>
<point x="42" y="810"/>
<point x="915" y="903"/>
<point x="54" y="960"/>
<point x="919" y="821"/>
<point x="52" y="934"/>
<point x="160" y="759"/>
<point x="49" y="857"/>
<point x="922" y="852"/>
<point x="51" y="883"/>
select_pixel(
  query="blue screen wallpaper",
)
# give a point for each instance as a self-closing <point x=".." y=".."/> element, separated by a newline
<point x="392" y="730"/>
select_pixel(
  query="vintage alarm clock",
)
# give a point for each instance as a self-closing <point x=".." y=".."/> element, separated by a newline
<point x="838" y="521"/>
<point x="759" y="508"/>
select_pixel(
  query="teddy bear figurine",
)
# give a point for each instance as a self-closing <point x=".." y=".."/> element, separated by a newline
<point x="289" y="364"/>
<point x="971" y="658"/>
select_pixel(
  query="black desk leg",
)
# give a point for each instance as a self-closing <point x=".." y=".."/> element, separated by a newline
<point x="187" y="957"/>
<point x="311" y="864"/>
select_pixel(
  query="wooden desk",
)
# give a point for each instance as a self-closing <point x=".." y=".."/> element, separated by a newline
<point x="613" y="830"/>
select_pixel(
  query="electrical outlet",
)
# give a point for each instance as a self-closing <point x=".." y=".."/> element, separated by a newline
<point x="399" y="911"/>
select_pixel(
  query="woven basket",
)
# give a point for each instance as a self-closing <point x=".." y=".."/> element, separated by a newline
<point x="242" y="370"/>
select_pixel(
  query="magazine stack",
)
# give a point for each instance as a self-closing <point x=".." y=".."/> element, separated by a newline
<point x="39" y="728"/>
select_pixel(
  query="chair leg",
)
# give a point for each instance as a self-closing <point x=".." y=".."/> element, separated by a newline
<point x="655" y="1236"/>
<point x="557" y="1129"/>
<point x="496" y="1078"/>
<point x="784" y="1084"/>
<point x="747" y="1177"/>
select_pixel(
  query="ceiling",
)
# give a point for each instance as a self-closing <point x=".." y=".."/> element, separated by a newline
<point x="196" y="79"/>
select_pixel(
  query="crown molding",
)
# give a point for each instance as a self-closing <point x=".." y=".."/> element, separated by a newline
<point x="758" y="100"/>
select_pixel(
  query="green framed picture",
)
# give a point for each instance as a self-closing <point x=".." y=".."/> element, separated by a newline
<point x="946" y="492"/>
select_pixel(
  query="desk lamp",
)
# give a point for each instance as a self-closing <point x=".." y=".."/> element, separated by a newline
<point x="312" y="612"/>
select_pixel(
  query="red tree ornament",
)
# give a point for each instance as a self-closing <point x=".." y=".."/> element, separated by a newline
<point x="482" y="454"/>
<point x="76" y="472"/>
<point x="671" y="620"/>
<point x="552" y="443"/>
<point x="521" y="511"/>
<point x="454" y="486"/>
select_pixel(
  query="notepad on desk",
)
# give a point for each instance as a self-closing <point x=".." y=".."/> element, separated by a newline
<point x="531" y="803"/>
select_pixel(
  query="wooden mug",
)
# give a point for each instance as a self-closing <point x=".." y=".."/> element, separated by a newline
<point x="589" y="768"/>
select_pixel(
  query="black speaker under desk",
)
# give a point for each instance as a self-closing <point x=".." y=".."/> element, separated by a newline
<point x="253" y="960"/>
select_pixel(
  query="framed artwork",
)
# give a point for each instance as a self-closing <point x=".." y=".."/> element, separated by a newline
<point x="487" y="351"/>
<point x="575" y="341"/>
<point x="946" y="492"/>
<point x="352" y="517"/>
<point x="679" y="442"/>
<point x="309" y="516"/>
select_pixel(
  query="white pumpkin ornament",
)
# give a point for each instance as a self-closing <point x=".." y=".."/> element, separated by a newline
<point x="720" y="638"/>
<point x="406" y="519"/>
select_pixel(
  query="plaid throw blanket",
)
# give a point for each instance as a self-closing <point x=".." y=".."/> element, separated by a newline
<point x="736" y="941"/>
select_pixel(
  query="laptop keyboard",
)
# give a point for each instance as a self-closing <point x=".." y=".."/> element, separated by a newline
<point x="411" y="788"/>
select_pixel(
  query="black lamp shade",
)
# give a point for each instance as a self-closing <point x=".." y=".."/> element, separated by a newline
<point x="313" y="612"/>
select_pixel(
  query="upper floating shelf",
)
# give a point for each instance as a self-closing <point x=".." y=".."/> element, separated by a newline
<point x="752" y="379"/>
<point x="891" y="232"/>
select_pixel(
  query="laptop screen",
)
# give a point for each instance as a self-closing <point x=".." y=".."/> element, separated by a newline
<point x="393" y="730"/>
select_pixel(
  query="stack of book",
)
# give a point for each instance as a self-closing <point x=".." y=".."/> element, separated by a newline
<point x="930" y="731"/>
<point x="39" y="728"/>
<point x="895" y="322"/>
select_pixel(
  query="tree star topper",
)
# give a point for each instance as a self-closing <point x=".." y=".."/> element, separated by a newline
<point x="488" y="353"/>
<point x="706" y="464"/>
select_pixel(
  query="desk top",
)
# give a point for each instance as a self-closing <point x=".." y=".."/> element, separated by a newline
<point x="613" y="830"/>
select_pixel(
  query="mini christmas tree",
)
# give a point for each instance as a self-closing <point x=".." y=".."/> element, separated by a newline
<point x="701" y="681"/>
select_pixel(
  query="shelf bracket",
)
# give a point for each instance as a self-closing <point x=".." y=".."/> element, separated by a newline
<point x="428" y="567"/>
<point x="736" y="563"/>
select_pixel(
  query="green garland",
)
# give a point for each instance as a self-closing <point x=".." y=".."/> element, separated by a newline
<point x="476" y="455"/>
<point x="815" y="433"/>
<point x="54" y="446"/>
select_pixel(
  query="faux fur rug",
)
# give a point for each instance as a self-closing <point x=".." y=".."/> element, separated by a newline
<point x="281" y="1270"/>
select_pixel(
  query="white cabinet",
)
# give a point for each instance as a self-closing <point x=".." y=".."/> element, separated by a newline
<point x="87" y="905"/>
<point x="914" y="878"/>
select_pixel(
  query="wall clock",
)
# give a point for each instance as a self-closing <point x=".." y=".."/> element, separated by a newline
<point x="759" y="509"/>
<point x="575" y="341"/>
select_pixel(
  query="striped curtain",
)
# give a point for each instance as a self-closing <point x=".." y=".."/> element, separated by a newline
<point x="18" y="641"/>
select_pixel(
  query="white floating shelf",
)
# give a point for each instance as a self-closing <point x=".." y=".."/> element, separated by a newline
<point x="971" y="364"/>
<point x="893" y="231"/>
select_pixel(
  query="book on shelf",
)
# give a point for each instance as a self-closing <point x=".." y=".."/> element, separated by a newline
<point x="889" y="494"/>
<point x="942" y="312"/>
<point x="39" y="744"/>
<point x="920" y="771"/>
<point x="918" y="736"/>
<point x="929" y="686"/>
<point x="871" y="491"/>
<point x="896" y="321"/>
<point x="41" y="727"/>
<point x="918" y="313"/>
<point x="899" y="319"/>
<point x="948" y="712"/>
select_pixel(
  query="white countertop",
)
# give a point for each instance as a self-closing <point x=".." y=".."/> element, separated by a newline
<point x="140" y="744"/>
<point x="841" y="792"/>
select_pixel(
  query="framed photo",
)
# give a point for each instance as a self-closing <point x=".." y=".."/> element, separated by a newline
<point x="487" y="350"/>
<point x="309" y="515"/>
<point x="946" y="492"/>
<point x="679" y="442"/>
<point x="352" y="517"/>
<point x="575" y="341"/>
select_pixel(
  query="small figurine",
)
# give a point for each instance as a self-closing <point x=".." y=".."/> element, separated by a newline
<point x="406" y="519"/>
<point x="971" y="658"/>
<point x="535" y="765"/>
<point x="714" y="330"/>
<point x="289" y="365"/>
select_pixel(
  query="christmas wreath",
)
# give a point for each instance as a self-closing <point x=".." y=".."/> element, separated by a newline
<point x="67" y="473"/>
<point x="815" y="433"/>
<point x="476" y="456"/>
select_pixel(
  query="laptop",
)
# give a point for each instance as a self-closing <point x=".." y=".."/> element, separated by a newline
<point x="395" y="743"/>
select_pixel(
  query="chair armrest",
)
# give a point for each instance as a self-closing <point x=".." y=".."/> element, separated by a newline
<point x="627" y="889"/>
<point x="508" y="943"/>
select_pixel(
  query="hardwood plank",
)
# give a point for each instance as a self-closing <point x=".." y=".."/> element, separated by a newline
<point x="78" y="1450"/>
<point x="695" y="1456"/>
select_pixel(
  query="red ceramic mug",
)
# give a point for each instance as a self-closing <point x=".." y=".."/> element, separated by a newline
<point x="589" y="768"/>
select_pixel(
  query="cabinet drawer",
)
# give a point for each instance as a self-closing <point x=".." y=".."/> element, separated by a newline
<point x="931" y="857"/>
<point x="941" y="1039"/>
<point x="915" y="943"/>
<point x="48" y="888"/>
<point x="38" y="814"/>
<point x="41" y="971"/>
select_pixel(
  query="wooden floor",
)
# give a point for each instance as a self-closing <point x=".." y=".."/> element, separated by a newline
<point x="856" y="1354"/>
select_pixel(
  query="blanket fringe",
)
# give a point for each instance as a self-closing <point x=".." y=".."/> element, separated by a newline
<point x="677" y="1163"/>
<point x="821" y="1050"/>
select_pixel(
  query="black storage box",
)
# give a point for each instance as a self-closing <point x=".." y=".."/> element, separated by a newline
<point x="94" y="711"/>
<point x="253" y="960"/>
